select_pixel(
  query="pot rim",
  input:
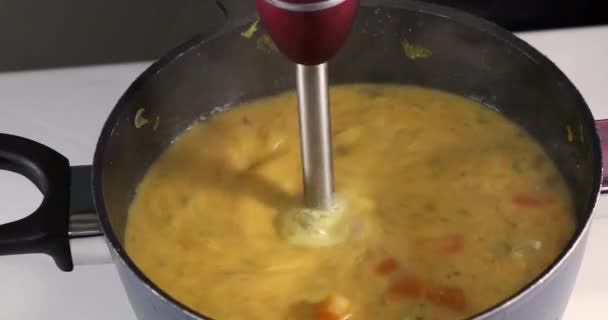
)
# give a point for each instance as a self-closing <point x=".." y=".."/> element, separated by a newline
<point x="452" y="14"/>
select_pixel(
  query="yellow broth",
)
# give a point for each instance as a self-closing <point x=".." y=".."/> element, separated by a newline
<point x="458" y="209"/>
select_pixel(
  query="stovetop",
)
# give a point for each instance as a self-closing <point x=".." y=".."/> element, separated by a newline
<point x="65" y="109"/>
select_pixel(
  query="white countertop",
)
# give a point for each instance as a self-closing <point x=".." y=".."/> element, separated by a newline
<point x="65" y="110"/>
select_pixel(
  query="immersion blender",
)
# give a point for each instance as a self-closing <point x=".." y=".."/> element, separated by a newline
<point x="309" y="33"/>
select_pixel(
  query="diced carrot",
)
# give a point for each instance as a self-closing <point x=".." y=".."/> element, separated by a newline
<point x="334" y="307"/>
<point x="387" y="266"/>
<point x="449" y="297"/>
<point x="452" y="243"/>
<point x="185" y="243"/>
<point x="406" y="287"/>
<point x="531" y="200"/>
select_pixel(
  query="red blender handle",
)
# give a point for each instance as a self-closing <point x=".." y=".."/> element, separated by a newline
<point x="308" y="32"/>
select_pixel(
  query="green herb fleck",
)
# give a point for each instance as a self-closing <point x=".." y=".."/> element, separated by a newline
<point x="343" y="150"/>
<point x="519" y="165"/>
<point x="453" y="274"/>
<point x="502" y="248"/>
<point x="480" y="116"/>
<point x="463" y="212"/>
<point x="371" y="91"/>
<point x="551" y="180"/>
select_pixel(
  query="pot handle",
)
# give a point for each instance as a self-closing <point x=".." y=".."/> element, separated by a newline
<point x="46" y="229"/>
<point x="602" y="131"/>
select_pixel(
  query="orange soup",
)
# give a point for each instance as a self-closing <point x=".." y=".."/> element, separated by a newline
<point x="460" y="209"/>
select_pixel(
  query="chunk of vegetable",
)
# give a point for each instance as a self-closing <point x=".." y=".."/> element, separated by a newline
<point x="414" y="287"/>
<point x="406" y="287"/>
<point x="387" y="266"/>
<point x="334" y="307"/>
<point x="531" y="200"/>
<point x="450" y="297"/>
<point x="452" y="243"/>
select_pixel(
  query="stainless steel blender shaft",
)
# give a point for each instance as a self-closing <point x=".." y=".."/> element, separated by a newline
<point x="315" y="135"/>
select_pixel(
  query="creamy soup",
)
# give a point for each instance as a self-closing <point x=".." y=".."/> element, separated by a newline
<point x="457" y="209"/>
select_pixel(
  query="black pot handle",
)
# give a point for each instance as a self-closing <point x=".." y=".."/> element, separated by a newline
<point x="46" y="229"/>
<point x="602" y="131"/>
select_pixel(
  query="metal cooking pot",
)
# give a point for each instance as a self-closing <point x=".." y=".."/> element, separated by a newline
<point x="393" y="41"/>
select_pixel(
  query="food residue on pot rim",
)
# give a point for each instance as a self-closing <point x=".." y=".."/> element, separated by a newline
<point x="156" y="123"/>
<point x="253" y="28"/>
<point x="140" y="120"/>
<point x="415" y="51"/>
<point x="570" y="134"/>
<point x="265" y="43"/>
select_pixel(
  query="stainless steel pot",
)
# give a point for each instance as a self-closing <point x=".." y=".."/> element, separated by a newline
<point x="392" y="41"/>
